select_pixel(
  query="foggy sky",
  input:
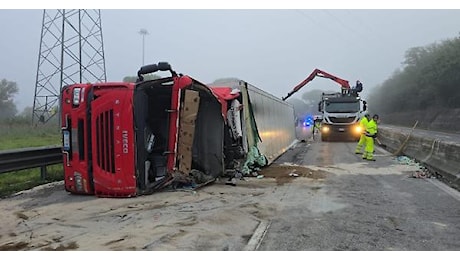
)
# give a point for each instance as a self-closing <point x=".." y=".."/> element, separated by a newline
<point x="271" y="49"/>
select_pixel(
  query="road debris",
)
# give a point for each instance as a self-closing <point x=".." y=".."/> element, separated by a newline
<point x="422" y="171"/>
<point x="293" y="174"/>
<point x="406" y="160"/>
<point x="284" y="173"/>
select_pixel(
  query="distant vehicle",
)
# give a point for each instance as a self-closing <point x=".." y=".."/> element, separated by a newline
<point x="341" y="115"/>
<point x="309" y="121"/>
<point x="341" y="111"/>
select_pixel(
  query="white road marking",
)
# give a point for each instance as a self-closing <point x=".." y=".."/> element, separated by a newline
<point x="451" y="191"/>
<point x="258" y="236"/>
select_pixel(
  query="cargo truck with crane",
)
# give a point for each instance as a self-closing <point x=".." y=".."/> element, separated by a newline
<point x="125" y="139"/>
<point x="340" y="111"/>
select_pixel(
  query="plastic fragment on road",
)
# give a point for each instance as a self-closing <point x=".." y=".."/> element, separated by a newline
<point x="406" y="160"/>
<point x="292" y="174"/>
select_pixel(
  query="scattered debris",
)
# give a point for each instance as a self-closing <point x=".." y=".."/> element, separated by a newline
<point x="422" y="171"/>
<point x="292" y="174"/>
<point x="231" y="181"/>
<point x="283" y="173"/>
<point x="21" y="215"/>
<point x="406" y="160"/>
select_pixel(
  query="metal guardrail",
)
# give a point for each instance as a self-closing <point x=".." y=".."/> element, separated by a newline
<point x="26" y="158"/>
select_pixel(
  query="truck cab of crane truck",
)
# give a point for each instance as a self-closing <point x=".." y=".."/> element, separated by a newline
<point x="125" y="139"/>
<point x="341" y="113"/>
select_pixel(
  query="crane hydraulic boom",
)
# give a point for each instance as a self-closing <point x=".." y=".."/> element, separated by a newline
<point x="318" y="73"/>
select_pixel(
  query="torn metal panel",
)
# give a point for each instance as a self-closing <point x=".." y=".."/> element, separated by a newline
<point x="268" y="122"/>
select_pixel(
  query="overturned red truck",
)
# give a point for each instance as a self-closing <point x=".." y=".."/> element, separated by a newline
<point x="128" y="139"/>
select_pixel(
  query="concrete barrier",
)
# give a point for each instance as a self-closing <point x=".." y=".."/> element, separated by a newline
<point x="441" y="157"/>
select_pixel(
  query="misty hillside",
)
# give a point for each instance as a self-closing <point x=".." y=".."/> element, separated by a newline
<point x="426" y="89"/>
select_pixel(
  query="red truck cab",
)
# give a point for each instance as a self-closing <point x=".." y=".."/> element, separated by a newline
<point x="127" y="139"/>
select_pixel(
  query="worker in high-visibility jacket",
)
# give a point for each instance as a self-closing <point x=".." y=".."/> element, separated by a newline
<point x="371" y="133"/>
<point x="362" y="139"/>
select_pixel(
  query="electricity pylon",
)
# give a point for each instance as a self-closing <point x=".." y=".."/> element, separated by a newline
<point x="71" y="51"/>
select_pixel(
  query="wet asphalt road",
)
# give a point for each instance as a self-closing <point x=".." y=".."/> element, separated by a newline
<point x="365" y="206"/>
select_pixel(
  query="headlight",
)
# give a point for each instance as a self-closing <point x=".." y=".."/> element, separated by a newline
<point x="358" y="129"/>
<point x="325" y="129"/>
<point x="76" y="96"/>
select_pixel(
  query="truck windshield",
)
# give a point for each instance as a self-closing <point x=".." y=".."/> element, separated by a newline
<point x="346" y="107"/>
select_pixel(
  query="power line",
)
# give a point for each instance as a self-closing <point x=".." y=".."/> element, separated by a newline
<point x="324" y="27"/>
<point x="339" y="21"/>
<point x="360" y="21"/>
<point x="370" y="38"/>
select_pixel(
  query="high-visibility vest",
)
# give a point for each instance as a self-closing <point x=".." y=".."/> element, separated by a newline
<point x="371" y="128"/>
<point x="363" y="122"/>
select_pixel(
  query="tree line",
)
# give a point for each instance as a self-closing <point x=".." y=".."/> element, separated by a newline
<point x="429" y="79"/>
<point x="7" y="106"/>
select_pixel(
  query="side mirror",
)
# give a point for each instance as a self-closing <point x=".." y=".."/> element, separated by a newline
<point x="164" y="66"/>
<point x="146" y="70"/>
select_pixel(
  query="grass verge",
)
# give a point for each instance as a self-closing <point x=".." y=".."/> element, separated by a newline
<point x="12" y="182"/>
<point x="23" y="135"/>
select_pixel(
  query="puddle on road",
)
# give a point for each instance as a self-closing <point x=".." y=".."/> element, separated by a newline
<point x="361" y="168"/>
<point x="281" y="173"/>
